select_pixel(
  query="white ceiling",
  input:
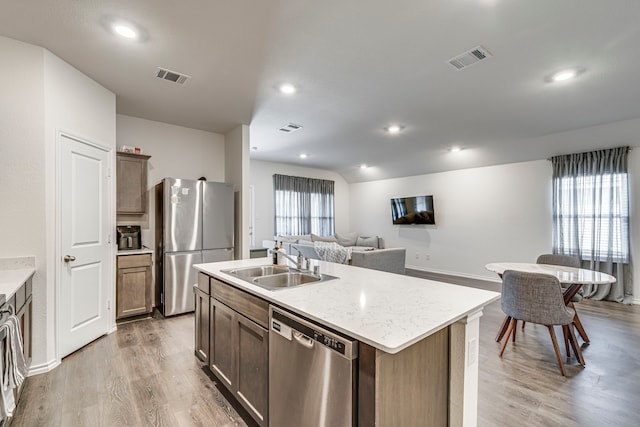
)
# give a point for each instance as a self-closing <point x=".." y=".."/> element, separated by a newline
<point x="360" y="66"/>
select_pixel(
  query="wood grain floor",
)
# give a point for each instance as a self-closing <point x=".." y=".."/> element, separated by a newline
<point x="525" y="387"/>
<point x="145" y="374"/>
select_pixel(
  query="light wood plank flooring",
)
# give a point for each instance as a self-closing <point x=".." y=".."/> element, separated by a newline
<point x="145" y="374"/>
<point x="525" y="387"/>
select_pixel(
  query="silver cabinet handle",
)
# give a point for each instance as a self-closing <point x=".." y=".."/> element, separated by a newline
<point x="69" y="258"/>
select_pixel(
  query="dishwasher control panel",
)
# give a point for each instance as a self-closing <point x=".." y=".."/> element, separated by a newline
<point x="285" y="325"/>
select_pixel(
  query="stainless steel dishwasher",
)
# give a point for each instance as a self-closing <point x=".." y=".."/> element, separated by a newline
<point x="312" y="374"/>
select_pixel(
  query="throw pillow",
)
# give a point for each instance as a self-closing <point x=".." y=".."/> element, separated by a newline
<point x="316" y="238"/>
<point x="368" y="241"/>
<point x="347" y="239"/>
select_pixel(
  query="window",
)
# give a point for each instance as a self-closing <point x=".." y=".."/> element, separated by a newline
<point x="303" y="206"/>
<point x="591" y="206"/>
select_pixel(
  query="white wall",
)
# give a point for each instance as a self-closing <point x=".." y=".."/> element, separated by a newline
<point x="262" y="181"/>
<point x="40" y="95"/>
<point x="176" y="152"/>
<point x="497" y="213"/>
<point x="76" y="104"/>
<point x="23" y="216"/>
<point x="237" y="173"/>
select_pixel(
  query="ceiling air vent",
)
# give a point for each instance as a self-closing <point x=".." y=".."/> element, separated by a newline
<point x="470" y="57"/>
<point x="172" y="76"/>
<point x="291" y="127"/>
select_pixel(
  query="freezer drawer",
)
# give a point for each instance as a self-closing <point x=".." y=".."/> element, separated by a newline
<point x="311" y="374"/>
<point x="179" y="278"/>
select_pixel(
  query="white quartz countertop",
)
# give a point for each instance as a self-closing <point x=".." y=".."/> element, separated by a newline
<point x="11" y="280"/>
<point x="143" y="250"/>
<point x="387" y="311"/>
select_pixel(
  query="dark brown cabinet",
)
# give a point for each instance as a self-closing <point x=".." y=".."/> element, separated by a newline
<point x="238" y="344"/>
<point x="131" y="174"/>
<point x="21" y="303"/>
<point x="133" y="285"/>
<point x="252" y="381"/>
<point x="202" y="318"/>
<point x="222" y="344"/>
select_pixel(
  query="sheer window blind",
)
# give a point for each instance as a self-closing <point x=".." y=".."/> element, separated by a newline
<point x="303" y="206"/>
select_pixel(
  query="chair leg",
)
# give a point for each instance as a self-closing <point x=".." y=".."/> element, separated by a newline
<point x="515" y="329"/>
<point x="557" y="349"/>
<point x="578" y="323"/>
<point x="565" y="334"/>
<point x="512" y="326"/>
<point x="574" y="344"/>
<point x="523" y="323"/>
<point x="503" y="328"/>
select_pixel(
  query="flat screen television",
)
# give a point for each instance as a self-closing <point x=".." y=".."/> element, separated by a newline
<point x="413" y="210"/>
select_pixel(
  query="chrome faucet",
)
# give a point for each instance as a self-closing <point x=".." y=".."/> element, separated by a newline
<point x="297" y="261"/>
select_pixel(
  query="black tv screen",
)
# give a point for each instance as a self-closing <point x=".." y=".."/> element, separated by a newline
<point x="413" y="210"/>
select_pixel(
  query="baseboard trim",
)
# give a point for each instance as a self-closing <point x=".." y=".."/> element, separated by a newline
<point x="43" y="367"/>
<point x="456" y="273"/>
<point x="635" y="301"/>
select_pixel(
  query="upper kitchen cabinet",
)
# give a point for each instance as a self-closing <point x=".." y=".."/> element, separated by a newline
<point x="131" y="172"/>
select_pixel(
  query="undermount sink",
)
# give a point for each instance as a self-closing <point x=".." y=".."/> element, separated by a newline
<point x="274" y="277"/>
<point x="263" y="270"/>
<point x="286" y="280"/>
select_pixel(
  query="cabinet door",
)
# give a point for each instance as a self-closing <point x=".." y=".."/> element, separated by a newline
<point x="133" y="291"/>
<point x="202" y="326"/>
<point x="253" y="368"/>
<point x="131" y="173"/>
<point x="221" y="344"/>
<point x="24" y="318"/>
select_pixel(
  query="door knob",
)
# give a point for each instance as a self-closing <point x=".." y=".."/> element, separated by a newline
<point x="69" y="258"/>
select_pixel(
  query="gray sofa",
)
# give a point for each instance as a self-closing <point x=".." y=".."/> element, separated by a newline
<point x="367" y="252"/>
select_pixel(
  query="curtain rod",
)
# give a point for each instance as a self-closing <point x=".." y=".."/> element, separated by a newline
<point x="549" y="158"/>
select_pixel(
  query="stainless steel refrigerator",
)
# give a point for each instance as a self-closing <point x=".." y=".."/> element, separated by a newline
<point x="194" y="224"/>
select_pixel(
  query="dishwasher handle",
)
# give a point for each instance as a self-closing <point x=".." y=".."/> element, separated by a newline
<point x="303" y="339"/>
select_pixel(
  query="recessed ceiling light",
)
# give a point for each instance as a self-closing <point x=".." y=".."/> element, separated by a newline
<point x="455" y="149"/>
<point x="566" y="74"/>
<point x="126" y="31"/>
<point x="287" y="88"/>
<point x="394" y="129"/>
<point x="363" y="166"/>
<point x="303" y="156"/>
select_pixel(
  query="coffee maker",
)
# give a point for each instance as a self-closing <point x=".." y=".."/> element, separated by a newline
<point x="128" y="237"/>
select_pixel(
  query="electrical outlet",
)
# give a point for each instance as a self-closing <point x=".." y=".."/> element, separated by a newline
<point x="427" y="257"/>
<point x="417" y="255"/>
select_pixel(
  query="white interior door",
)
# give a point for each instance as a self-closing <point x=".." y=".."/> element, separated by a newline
<point x="85" y="227"/>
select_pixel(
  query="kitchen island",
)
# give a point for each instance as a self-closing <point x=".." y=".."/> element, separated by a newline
<point x="418" y="339"/>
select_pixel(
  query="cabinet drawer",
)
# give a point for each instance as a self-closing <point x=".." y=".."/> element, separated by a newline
<point x="127" y="261"/>
<point x="244" y="303"/>
<point x="203" y="283"/>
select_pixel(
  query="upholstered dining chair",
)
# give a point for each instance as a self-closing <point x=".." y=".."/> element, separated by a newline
<point x="567" y="261"/>
<point x="537" y="298"/>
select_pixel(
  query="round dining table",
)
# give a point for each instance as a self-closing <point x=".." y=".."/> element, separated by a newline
<point x="573" y="278"/>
